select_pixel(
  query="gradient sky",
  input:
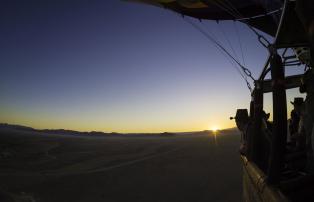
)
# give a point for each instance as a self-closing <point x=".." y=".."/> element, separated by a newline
<point x="117" y="66"/>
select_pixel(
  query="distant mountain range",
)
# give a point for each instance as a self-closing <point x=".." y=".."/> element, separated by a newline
<point x="16" y="127"/>
<point x="6" y="126"/>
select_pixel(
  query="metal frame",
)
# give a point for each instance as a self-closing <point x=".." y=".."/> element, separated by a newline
<point x="277" y="85"/>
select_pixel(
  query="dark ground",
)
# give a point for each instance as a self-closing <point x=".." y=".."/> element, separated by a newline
<point x="41" y="167"/>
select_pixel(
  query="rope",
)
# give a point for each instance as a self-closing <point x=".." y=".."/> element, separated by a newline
<point x="239" y="40"/>
<point x="223" y="53"/>
<point x="228" y="41"/>
<point x="247" y="72"/>
<point x="259" y="16"/>
<point x="233" y="11"/>
<point x="222" y="49"/>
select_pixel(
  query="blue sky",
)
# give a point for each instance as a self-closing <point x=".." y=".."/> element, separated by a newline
<point x="117" y="66"/>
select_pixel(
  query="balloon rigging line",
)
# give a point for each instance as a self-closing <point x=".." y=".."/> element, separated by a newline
<point x="223" y="53"/>
<point x="240" y="43"/>
<point x="228" y="41"/>
<point x="221" y="48"/>
<point x="233" y="11"/>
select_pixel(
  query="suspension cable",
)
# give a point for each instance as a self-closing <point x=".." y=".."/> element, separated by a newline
<point x="233" y="11"/>
<point x="246" y="71"/>
<point x="243" y="75"/>
<point x="228" y="41"/>
<point x="216" y="39"/>
<point x="239" y="40"/>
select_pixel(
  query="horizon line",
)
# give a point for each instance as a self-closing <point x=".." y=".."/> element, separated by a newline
<point x="90" y="131"/>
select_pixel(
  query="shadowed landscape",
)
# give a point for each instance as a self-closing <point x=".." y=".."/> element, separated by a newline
<point x="123" y="101"/>
<point x="46" y="165"/>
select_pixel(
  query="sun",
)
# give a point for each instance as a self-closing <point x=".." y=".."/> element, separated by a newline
<point x="214" y="128"/>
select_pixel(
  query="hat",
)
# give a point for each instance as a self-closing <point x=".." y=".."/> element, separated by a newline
<point x="297" y="101"/>
<point x="242" y="114"/>
<point x="265" y="115"/>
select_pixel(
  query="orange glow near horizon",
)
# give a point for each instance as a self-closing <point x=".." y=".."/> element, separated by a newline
<point x="194" y="120"/>
<point x="214" y="128"/>
<point x="146" y="81"/>
<point x="156" y="125"/>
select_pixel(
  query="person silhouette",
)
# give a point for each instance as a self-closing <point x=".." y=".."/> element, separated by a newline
<point x="297" y="139"/>
<point x="242" y="121"/>
<point x="307" y="119"/>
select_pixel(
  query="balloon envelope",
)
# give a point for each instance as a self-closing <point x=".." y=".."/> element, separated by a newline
<point x="263" y="15"/>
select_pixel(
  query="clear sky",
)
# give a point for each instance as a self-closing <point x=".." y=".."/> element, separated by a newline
<point x="117" y="66"/>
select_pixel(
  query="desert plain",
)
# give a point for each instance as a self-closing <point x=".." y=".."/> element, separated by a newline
<point x="184" y="167"/>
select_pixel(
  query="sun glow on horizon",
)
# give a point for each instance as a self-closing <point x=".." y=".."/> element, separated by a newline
<point x="214" y="128"/>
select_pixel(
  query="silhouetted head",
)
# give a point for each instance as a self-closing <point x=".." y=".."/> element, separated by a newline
<point x="265" y="115"/>
<point x="297" y="101"/>
<point x="242" y="118"/>
<point x="298" y="104"/>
